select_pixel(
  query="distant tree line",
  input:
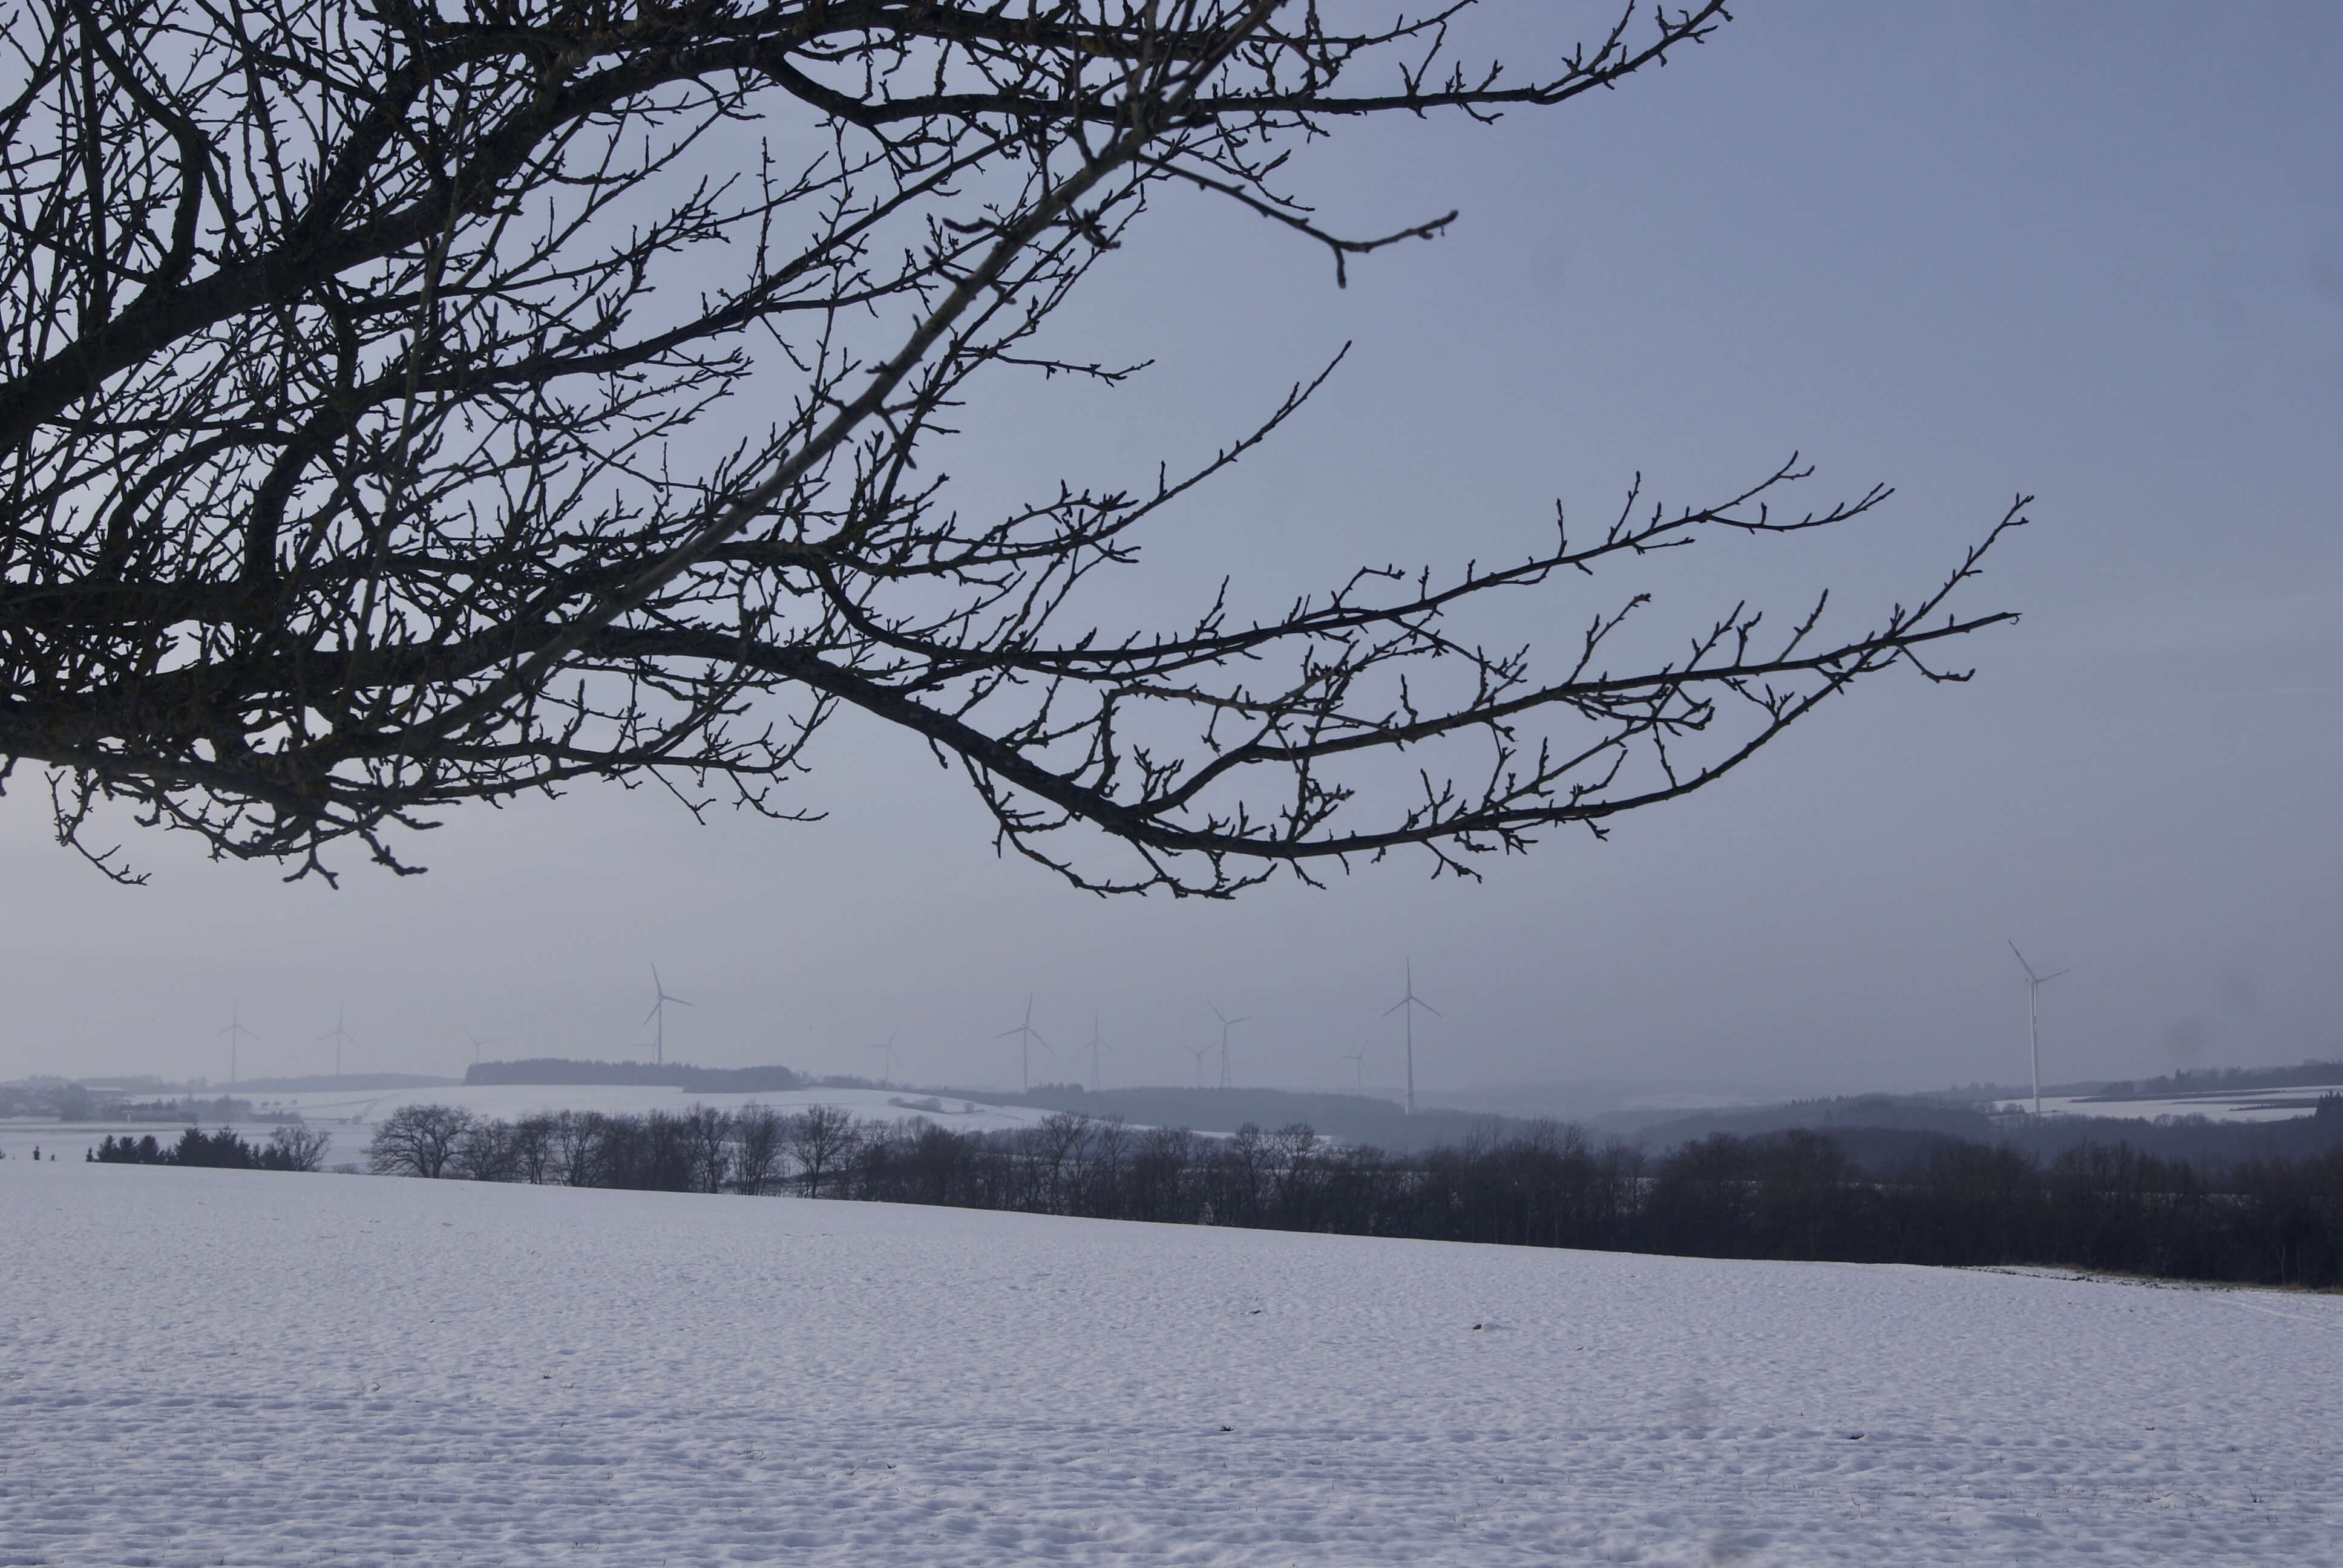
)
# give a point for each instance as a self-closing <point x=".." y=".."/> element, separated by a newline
<point x="545" y="1069"/>
<point x="69" y="1101"/>
<point x="1790" y="1195"/>
<point x="1886" y="1133"/>
<point x="289" y="1148"/>
<point x="2312" y="1074"/>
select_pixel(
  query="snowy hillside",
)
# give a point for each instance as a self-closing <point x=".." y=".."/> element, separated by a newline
<point x="350" y="1117"/>
<point x="202" y="1366"/>
<point x="329" y="1110"/>
<point x="2236" y="1105"/>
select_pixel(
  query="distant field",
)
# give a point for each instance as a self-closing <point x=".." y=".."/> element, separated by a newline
<point x="206" y="1366"/>
<point x="2240" y="1105"/>
<point x="513" y="1100"/>
<point x="350" y="1117"/>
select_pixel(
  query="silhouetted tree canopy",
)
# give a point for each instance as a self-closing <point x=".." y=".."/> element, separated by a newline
<point x="348" y="349"/>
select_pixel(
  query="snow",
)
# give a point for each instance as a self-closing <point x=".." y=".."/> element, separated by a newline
<point x="2236" y="1105"/>
<point x="349" y="1117"/>
<point x="511" y="1101"/>
<point x="202" y="1366"/>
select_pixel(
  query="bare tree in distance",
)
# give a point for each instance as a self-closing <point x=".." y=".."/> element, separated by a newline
<point x="298" y="1148"/>
<point x="821" y="1139"/>
<point x="708" y="1132"/>
<point x="487" y="1150"/>
<point x="418" y="1141"/>
<point x="348" y="347"/>
<point x="532" y="1150"/>
<point x="573" y="1140"/>
<point x="760" y="1138"/>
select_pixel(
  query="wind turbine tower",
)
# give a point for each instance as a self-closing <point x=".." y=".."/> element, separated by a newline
<point x="658" y="1015"/>
<point x="340" y="1037"/>
<point x="235" y="1031"/>
<point x="1199" y="1053"/>
<point x="1358" y="1058"/>
<point x="887" y="1060"/>
<point x="1227" y="1023"/>
<point x="2034" y="984"/>
<point x="1026" y="1038"/>
<point x="1405" y="1007"/>
<point x="1094" y="1045"/>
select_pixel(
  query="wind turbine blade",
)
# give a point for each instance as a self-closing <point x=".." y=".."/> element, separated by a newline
<point x="1429" y="1008"/>
<point x="1010" y="1034"/>
<point x="2024" y="965"/>
<point x="678" y="1002"/>
<point x="654" y="1011"/>
<point x="1397" y="1005"/>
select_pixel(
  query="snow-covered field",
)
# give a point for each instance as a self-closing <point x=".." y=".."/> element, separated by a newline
<point x="349" y="1117"/>
<point x="2241" y="1105"/>
<point x="201" y="1366"/>
<point x="514" y="1100"/>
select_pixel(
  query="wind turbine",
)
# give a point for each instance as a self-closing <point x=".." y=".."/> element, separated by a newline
<point x="1227" y="1023"/>
<point x="1094" y="1045"/>
<point x="1406" y="1006"/>
<point x="657" y="1014"/>
<point x="1358" y="1058"/>
<point x="2034" y="984"/>
<point x="1199" y="1053"/>
<point x="477" y="1043"/>
<point x="890" y="1061"/>
<point x="340" y="1037"/>
<point x="234" y="1030"/>
<point x="1026" y="1038"/>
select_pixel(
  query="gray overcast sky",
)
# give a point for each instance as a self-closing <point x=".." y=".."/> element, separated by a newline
<point x="2091" y="253"/>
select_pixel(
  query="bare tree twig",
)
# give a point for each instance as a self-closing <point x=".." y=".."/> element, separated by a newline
<point x="346" y="351"/>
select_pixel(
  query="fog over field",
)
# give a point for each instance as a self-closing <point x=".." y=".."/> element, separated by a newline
<point x="2092" y="255"/>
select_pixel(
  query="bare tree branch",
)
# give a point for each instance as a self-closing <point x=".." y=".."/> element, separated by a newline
<point x="348" y="347"/>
